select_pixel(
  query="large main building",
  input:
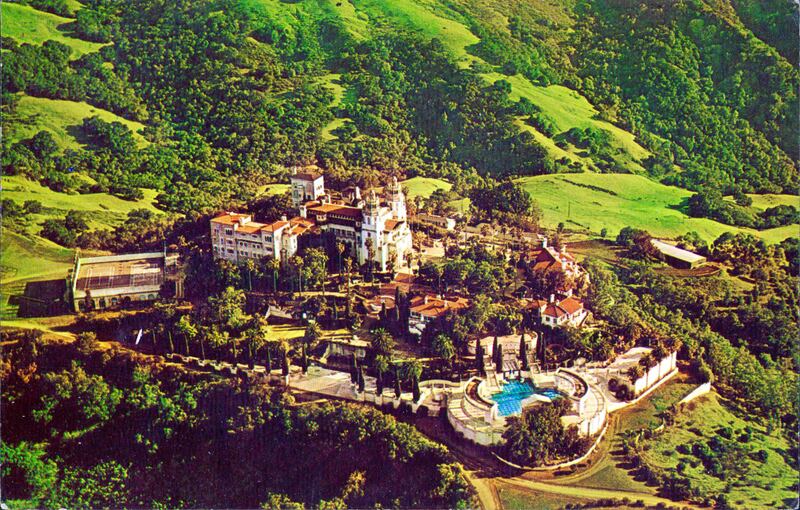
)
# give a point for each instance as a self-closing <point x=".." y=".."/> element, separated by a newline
<point x="375" y="228"/>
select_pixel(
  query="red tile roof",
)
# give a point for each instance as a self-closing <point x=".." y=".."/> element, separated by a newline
<point x="431" y="306"/>
<point x="229" y="218"/>
<point x="309" y="173"/>
<point x="336" y="209"/>
<point x="571" y="305"/>
<point x="553" y="310"/>
<point x="392" y="224"/>
<point x="250" y="227"/>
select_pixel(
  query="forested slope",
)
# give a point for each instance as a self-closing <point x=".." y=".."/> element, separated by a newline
<point x="232" y="90"/>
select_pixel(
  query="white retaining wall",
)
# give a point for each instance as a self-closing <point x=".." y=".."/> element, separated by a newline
<point x="655" y="374"/>
<point x="697" y="392"/>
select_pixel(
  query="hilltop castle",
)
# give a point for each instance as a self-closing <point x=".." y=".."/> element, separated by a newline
<point x="375" y="228"/>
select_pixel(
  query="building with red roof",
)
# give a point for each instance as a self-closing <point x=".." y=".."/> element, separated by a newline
<point x="546" y="258"/>
<point x="236" y="237"/>
<point x="555" y="312"/>
<point x="428" y="308"/>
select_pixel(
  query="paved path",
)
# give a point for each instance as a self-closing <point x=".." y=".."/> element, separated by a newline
<point x="487" y="492"/>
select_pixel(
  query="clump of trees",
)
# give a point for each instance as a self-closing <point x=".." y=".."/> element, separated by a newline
<point x="538" y="437"/>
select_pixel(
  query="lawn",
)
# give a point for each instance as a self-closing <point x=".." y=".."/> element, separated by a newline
<point x="424" y="186"/>
<point x="288" y="14"/>
<point x="762" y="202"/>
<point x="61" y="118"/>
<point x="26" y="24"/>
<point x="590" y="202"/>
<point x="273" y="189"/>
<point x="764" y="484"/>
<point x="517" y="499"/>
<point x="26" y="257"/>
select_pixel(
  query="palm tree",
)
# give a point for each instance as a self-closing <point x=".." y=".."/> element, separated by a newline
<point x="255" y="337"/>
<point x="187" y="329"/>
<point x="349" y="266"/>
<point x="249" y="266"/>
<point x="382" y="341"/>
<point x="443" y="347"/>
<point x="216" y="337"/>
<point x="297" y="263"/>
<point x="312" y="334"/>
<point x="268" y="358"/>
<point x="275" y="265"/>
<point x="413" y="371"/>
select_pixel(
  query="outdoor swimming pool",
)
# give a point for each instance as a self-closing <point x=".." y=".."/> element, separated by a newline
<point x="514" y="392"/>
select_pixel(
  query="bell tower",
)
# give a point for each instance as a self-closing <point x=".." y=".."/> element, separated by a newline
<point x="396" y="199"/>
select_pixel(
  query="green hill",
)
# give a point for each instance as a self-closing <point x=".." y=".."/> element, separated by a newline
<point x="26" y="24"/>
<point x="424" y="186"/>
<point x="438" y="20"/>
<point x="591" y="202"/>
<point x="61" y="118"/>
<point x="26" y="256"/>
<point x="106" y="210"/>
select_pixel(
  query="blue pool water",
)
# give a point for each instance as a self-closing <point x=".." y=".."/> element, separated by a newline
<point x="510" y="398"/>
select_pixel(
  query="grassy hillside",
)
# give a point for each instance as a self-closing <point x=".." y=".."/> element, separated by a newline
<point x="764" y="484"/>
<point x="424" y="186"/>
<point x="25" y="257"/>
<point x="61" y="118"/>
<point x="449" y="24"/>
<point x="592" y="202"/>
<point x="106" y="210"/>
<point x="26" y="24"/>
<point x="28" y="257"/>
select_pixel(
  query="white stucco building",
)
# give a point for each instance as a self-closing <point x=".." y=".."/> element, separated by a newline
<point x="375" y="228"/>
<point x="236" y="237"/>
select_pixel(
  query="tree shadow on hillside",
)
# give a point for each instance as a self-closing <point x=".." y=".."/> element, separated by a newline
<point x="682" y="206"/>
<point x="76" y="131"/>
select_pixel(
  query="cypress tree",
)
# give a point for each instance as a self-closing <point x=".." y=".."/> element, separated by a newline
<point x="268" y="362"/>
<point x="415" y="389"/>
<point x="304" y="360"/>
<point x="397" y="390"/>
<point x="285" y="364"/>
<point x="361" y="381"/>
<point x="495" y="347"/>
<point x="542" y="350"/>
<point x="479" y="357"/>
<point x="379" y="384"/>
<point x="498" y="366"/>
<point x="523" y="352"/>
<point x="354" y="370"/>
